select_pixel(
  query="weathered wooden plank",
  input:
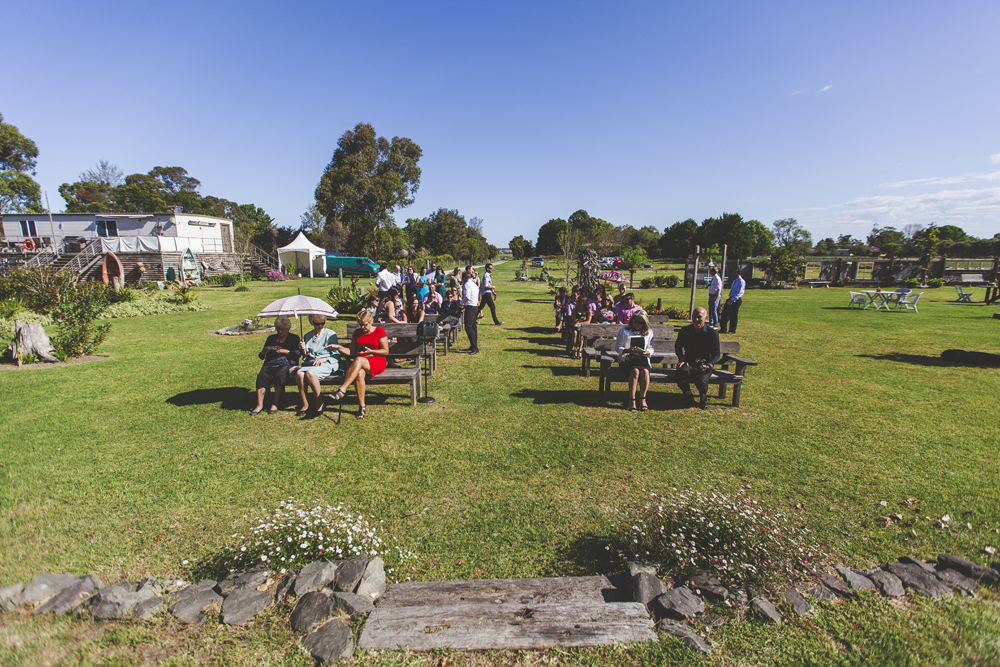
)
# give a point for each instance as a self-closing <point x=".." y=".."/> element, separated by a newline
<point x="507" y="626"/>
<point x="503" y="591"/>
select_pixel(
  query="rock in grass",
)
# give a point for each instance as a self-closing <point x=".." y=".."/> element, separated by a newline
<point x="646" y="588"/>
<point x="227" y="585"/>
<point x="796" y="601"/>
<point x="708" y="584"/>
<point x="352" y="604"/>
<point x="331" y="643"/>
<point x="190" y="606"/>
<point x="888" y="583"/>
<point x="68" y="598"/>
<point x="45" y="586"/>
<point x="253" y="579"/>
<point x="312" y="609"/>
<point x="922" y="564"/>
<point x="349" y="573"/>
<point x="284" y="586"/>
<point x="372" y="583"/>
<point x="678" y="603"/>
<point x="916" y="578"/>
<point x="821" y="592"/>
<point x="987" y="575"/>
<point x="691" y="640"/>
<point x="315" y="576"/>
<point x="10" y="597"/>
<point x="837" y="586"/>
<point x="765" y="609"/>
<point x="243" y="604"/>
<point x="855" y="580"/>
<point x="634" y="567"/>
<point x="116" y="601"/>
<point x="964" y="585"/>
<point x="147" y="609"/>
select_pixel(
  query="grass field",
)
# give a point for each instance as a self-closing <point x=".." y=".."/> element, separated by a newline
<point x="127" y="466"/>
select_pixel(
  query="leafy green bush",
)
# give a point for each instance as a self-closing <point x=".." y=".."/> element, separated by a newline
<point x="911" y="282"/>
<point x="79" y="305"/>
<point x="123" y="295"/>
<point x="224" y="280"/>
<point x="159" y="303"/>
<point x="517" y="274"/>
<point x="935" y="282"/>
<point x="347" y="300"/>
<point x="646" y="283"/>
<point x="660" y="280"/>
<point x="11" y="307"/>
<point x="242" y="288"/>
<point x="40" y="288"/>
<point x="888" y="281"/>
<point x="670" y="281"/>
<point x="837" y="283"/>
<point x="185" y="295"/>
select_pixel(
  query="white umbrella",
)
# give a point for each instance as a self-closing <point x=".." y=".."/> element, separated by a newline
<point x="297" y="306"/>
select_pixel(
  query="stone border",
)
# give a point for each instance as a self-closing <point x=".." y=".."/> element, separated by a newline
<point x="224" y="332"/>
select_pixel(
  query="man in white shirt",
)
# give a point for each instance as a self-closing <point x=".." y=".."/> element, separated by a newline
<point x="488" y="295"/>
<point x="731" y="311"/>
<point x="470" y="303"/>
<point x="714" y="292"/>
<point x="397" y="276"/>
<point x="384" y="280"/>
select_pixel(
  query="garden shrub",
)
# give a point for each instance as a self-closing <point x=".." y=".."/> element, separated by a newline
<point x="888" y="281"/>
<point x="185" y="295"/>
<point x="347" y="300"/>
<point x="296" y="534"/>
<point x="41" y="287"/>
<point x="660" y="281"/>
<point x="79" y="306"/>
<point x="154" y="304"/>
<point x="670" y="281"/>
<point x="935" y="282"/>
<point x="11" y="307"/>
<point x="911" y="282"/>
<point x="275" y="276"/>
<point x="222" y="280"/>
<point x="242" y="288"/>
<point x="123" y="295"/>
<point x="837" y="283"/>
<point x="729" y="533"/>
<point x="646" y="283"/>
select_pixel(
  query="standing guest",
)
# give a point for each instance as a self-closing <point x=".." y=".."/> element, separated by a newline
<point x="455" y="280"/>
<point x="280" y="353"/>
<point x="731" y="311"/>
<point x="384" y="280"/>
<point x="488" y="295"/>
<point x="410" y="282"/>
<point x="621" y="293"/>
<point x="559" y="305"/>
<point x="439" y="282"/>
<point x="470" y="302"/>
<point x="369" y="347"/>
<point x="397" y="276"/>
<point x="475" y="276"/>
<point x="626" y="308"/>
<point x="320" y="359"/>
<point x="581" y="316"/>
<point x="422" y="287"/>
<point x="635" y="346"/>
<point x="697" y="350"/>
<point x="714" y="292"/>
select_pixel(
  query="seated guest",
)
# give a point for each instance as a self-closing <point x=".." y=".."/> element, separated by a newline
<point x="369" y="347"/>
<point x="606" y="313"/>
<point x="415" y="310"/>
<point x="626" y="308"/>
<point x="697" y="350"/>
<point x="621" y="293"/>
<point x="388" y="310"/>
<point x="280" y="353"/>
<point x="372" y="303"/>
<point x="635" y="345"/>
<point x="432" y="303"/>
<point x="450" y="311"/>
<point x="581" y="316"/>
<point x="320" y="358"/>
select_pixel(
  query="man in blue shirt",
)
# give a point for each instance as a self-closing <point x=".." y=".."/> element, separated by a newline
<point x="731" y="311"/>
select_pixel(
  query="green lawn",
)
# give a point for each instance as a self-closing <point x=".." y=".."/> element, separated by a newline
<point x="126" y="466"/>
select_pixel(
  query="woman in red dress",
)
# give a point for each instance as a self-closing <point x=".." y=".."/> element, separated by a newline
<point x="370" y="347"/>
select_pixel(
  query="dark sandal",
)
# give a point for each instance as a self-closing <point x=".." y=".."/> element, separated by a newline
<point x="302" y="412"/>
<point x="361" y="413"/>
<point x="273" y="410"/>
<point x="255" y="411"/>
<point x="338" y="395"/>
<point x="631" y="404"/>
<point x="320" y="406"/>
<point x="642" y="405"/>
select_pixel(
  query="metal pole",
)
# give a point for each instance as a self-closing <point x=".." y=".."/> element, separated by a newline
<point x="694" y="280"/>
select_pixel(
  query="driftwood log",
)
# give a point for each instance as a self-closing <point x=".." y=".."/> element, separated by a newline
<point x="30" y="338"/>
<point x="588" y="270"/>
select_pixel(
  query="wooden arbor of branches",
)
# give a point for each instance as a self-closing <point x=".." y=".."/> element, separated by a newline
<point x="588" y="269"/>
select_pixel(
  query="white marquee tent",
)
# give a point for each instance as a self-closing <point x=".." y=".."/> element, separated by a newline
<point x="304" y="254"/>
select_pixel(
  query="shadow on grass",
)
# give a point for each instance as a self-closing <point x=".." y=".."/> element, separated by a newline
<point x="588" y="399"/>
<point x="231" y="398"/>
<point x="539" y="353"/>
<point x="534" y="330"/>
<point x="971" y="359"/>
<point x="535" y="300"/>
<point x="588" y="554"/>
<point x="561" y="371"/>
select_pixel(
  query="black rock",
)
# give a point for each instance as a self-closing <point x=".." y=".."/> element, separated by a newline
<point x="796" y="601"/>
<point x="284" y="586"/>
<point x="68" y="598"/>
<point x="922" y="564"/>
<point x="646" y="587"/>
<point x="116" y="601"/>
<point x="765" y="609"/>
<point x="888" y="583"/>
<point x="972" y="570"/>
<point x="682" y="632"/>
<point x="916" y="578"/>
<point x="147" y="609"/>
<point x="352" y="604"/>
<point x="315" y="576"/>
<point x="10" y="597"/>
<point x="312" y="609"/>
<point x="855" y="580"/>
<point x="821" y="592"/>
<point x="836" y="585"/>
<point x="349" y="573"/>
<point x="243" y="604"/>
<point x="45" y="586"/>
<point x="331" y="643"/>
<point x="227" y="585"/>
<point x="678" y="603"/>
<point x="192" y="602"/>
<point x="253" y="579"/>
<point x="708" y="585"/>
<point x="633" y="568"/>
<point x="958" y="581"/>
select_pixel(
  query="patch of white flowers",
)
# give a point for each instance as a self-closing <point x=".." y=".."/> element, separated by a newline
<point x="729" y="533"/>
<point x="295" y="534"/>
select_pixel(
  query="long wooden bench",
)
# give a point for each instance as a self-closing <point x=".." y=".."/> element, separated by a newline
<point x="404" y="347"/>
<point x="600" y="338"/>
<point x="410" y="376"/>
<point x="721" y="375"/>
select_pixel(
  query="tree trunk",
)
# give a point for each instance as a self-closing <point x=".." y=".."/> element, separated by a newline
<point x="30" y="338"/>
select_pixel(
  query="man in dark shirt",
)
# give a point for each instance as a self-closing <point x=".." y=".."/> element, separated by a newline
<point x="697" y="350"/>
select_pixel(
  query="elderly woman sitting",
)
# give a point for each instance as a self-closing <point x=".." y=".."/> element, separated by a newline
<point x="320" y="359"/>
<point x="280" y="353"/>
<point x="370" y="347"/>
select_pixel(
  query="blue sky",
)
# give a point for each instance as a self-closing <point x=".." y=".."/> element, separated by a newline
<point x="843" y="115"/>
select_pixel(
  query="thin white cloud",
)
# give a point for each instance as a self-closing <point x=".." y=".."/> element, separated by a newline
<point x="825" y="88"/>
<point x="995" y="158"/>
<point x="948" y="180"/>
<point x="800" y="92"/>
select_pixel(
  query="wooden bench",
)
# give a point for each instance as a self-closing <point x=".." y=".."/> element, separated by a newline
<point x="600" y="338"/>
<point x="404" y="348"/>
<point x="410" y="376"/>
<point x="721" y="375"/>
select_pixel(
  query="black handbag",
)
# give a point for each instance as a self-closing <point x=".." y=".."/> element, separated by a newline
<point x="427" y="330"/>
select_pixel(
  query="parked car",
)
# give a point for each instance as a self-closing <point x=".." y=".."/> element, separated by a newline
<point x="538" y="261"/>
<point x="352" y="266"/>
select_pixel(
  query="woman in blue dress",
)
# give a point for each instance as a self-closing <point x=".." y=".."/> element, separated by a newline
<point x="320" y="359"/>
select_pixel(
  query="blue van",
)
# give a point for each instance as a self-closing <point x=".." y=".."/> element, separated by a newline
<point x="352" y="266"/>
